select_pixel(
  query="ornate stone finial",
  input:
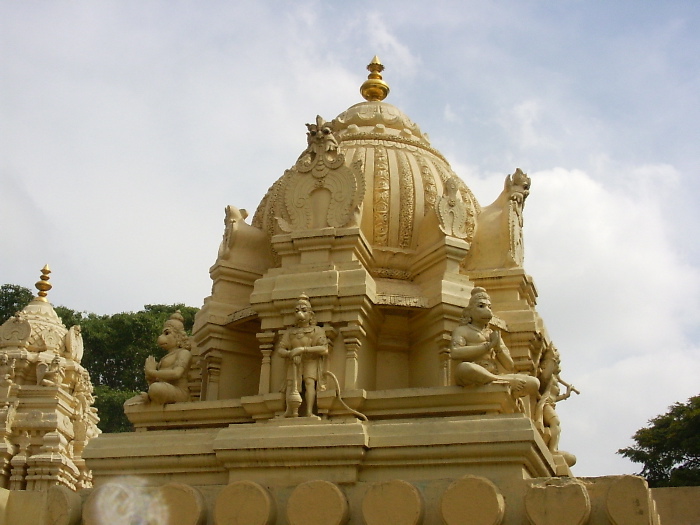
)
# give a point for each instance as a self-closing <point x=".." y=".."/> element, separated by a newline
<point x="374" y="88"/>
<point x="44" y="285"/>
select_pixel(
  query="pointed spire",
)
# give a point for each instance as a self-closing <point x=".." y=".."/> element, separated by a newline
<point x="374" y="88"/>
<point x="43" y="285"/>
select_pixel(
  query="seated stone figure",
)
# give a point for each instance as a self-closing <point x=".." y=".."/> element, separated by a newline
<point x="50" y="374"/>
<point x="483" y="355"/>
<point x="167" y="378"/>
<point x="304" y="346"/>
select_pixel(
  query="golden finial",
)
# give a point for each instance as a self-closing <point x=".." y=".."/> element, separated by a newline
<point x="374" y="88"/>
<point x="44" y="285"/>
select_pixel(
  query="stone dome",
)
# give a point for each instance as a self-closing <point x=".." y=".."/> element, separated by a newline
<point x="403" y="178"/>
<point x="37" y="327"/>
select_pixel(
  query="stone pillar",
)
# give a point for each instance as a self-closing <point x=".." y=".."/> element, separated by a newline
<point x="19" y="463"/>
<point x="267" y="346"/>
<point x="211" y="376"/>
<point x="352" y="335"/>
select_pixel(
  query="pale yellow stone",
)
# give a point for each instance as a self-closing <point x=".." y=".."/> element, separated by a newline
<point x="184" y="504"/>
<point x="244" y="503"/>
<point x="629" y="502"/>
<point x="317" y="502"/>
<point x="25" y="507"/>
<point x="46" y="398"/>
<point x="63" y="506"/>
<point x="397" y="502"/>
<point x="472" y="500"/>
<point x="562" y="501"/>
<point x="678" y="505"/>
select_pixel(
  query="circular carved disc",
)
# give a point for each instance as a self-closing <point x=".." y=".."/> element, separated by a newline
<point x="472" y="500"/>
<point x="317" y="503"/>
<point x="244" y="502"/>
<point x="396" y="502"/>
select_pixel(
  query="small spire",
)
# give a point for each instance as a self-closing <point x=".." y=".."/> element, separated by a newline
<point x="374" y="88"/>
<point x="43" y="285"/>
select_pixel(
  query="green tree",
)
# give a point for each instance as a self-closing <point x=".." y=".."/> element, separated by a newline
<point x="12" y="299"/>
<point x="110" y="408"/>
<point x="669" y="448"/>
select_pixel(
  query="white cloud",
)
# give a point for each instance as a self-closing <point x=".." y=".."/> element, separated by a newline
<point x="617" y="302"/>
<point x="381" y="37"/>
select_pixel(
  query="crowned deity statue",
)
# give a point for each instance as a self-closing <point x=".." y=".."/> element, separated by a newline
<point x="483" y="355"/>
<point x="304" y="347"/>
<point x="167" y="379"/>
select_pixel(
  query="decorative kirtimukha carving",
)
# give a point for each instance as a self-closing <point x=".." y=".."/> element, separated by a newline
<point x="15" y="332"/>
<point x="483" y="355"/>
<point x="50" y="374"/>
<point x="320" y="190"/>
<point x="546" y="418"/>
<point x="304" y="346"/>
<point x="167" y="378"/>
<point x="452" y="212"/>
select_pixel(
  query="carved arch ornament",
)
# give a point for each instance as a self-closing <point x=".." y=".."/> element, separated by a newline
<point x="320" y="190"/>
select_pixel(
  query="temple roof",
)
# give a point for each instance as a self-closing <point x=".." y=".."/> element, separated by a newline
<point x="402" y="175"/>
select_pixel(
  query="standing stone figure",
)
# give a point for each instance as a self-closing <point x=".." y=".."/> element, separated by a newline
<point x="546" y="418"/>
<point x="483" y="355"/>
<point x="7" y="375"/>
<point x="167" y="378"/>
<point x="304" y="346"/>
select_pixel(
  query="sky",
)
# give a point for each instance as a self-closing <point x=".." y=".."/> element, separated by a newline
<point x="127" y="127"/>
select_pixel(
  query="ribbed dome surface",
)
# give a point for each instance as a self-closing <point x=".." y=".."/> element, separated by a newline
<point x="403" y="178"/>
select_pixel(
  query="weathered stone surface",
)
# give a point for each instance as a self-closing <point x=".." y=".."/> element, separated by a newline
<point x="629" y="502"/>
<point x="561" y="501"/>
<point x="472" y="500"/>
<point x="244" y="502"/>
<point x="395" y="501"/>
<point x="317" y="503"/>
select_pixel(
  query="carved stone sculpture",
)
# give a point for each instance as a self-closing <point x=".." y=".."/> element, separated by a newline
<point x="304" y="346"/>
<point x="167" y="378"/>
<point x="7" y="376"/>
<point x="74" y="343"/>
<point x="320" y="190"/>
<point x="483" y="355"/>
<point x="50" y="374"/>
<point x="546" y="418"/>
<point x="452" y="212"/>
<point x="232" y="221"/>
<point x="498" y="242"/>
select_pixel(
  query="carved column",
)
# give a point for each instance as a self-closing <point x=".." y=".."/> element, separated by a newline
<point x="19" y="463"/>
<point x="267" y="346"/>
<point x="352" y="336"/>
<point x="212" y="373"/>
<point x="443" y="343"/>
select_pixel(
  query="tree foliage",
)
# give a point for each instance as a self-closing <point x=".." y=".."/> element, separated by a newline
<point x="669" y="448"/>
<point x="12" y="299"/>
